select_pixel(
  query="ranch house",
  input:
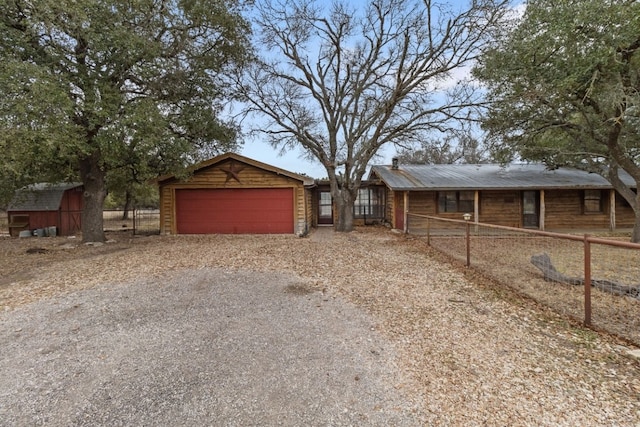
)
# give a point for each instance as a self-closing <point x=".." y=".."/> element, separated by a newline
<point x="233" y="194"/>
<point x="517" y="195"/>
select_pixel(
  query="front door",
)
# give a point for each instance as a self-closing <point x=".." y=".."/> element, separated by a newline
<point x="530" y="209"/>
<point x="325" y="208"/>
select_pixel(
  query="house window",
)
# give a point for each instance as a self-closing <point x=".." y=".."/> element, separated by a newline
<point x="369" y="203"/>
<point x="593" y="201"/>
<point x="324" y="206"/>
<point x="455" y="201"/>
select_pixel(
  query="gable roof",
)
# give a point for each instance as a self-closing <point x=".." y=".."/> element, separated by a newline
<point x="40" y="197"/>
<point x="218" y="159"/>
<point x="489" y="176"/>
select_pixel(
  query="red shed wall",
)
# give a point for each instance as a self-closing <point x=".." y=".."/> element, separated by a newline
<point x="37" y="219"/>
<point x="70" y="212"/>
<point x="67" y="219"/>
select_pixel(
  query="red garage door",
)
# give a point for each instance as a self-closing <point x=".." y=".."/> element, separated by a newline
<point x="235" y="211"/>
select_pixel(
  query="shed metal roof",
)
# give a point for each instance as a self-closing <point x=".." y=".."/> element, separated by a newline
<point x="488" y="176"/>
<point x="40" y="197"/>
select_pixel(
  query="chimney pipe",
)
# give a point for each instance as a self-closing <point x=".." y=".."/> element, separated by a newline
<point x="394" y="163"/>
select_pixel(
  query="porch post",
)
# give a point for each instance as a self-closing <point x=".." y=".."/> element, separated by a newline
<point x="406" y="212"/>
<point x="542" y="210"/>
<point x="612" y="209"/>
<point x="476" y="206"/>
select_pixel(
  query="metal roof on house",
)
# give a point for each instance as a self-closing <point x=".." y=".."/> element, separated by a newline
<point x="40" y="197"/>
<point x="488" y="176"/>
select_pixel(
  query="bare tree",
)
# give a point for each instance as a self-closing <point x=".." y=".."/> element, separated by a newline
<point x="452" y="148"/>
<point x="341" y="83"/>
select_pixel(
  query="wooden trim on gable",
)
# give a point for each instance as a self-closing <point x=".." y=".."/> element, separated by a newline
<point x="197" y="168"/>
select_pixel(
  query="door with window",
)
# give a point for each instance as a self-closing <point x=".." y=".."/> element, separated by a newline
<point x="325" y="208"/>
<point x="531" y="209"/>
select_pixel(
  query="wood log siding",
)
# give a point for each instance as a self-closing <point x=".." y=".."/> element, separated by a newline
<point x="167" y="212"/>
<point x="309" y="209"/>
<point x="389" y="207"/>
<point x="215" y="177"/>
<point x="501" y="207"/>
<point x="420" y="202"/>
<point x="565" y="210"/>
<point x="624" y="214"/>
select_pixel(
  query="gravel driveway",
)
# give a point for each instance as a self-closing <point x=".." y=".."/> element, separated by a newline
<point x="366" y="328"/>
<point x="198" y="347"/>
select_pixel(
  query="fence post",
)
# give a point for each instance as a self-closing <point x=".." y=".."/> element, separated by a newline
<point x="428" y="232"/>
<point x="468" y="233"/>
<point x="134" y="220"/>
<point x="587" y="281"/>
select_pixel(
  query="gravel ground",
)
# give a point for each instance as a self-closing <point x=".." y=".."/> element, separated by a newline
<point x="136" y="330"/>
<point x="199" y="347"/>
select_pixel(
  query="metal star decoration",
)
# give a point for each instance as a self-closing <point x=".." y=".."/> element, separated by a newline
<point x="232" y="172"/>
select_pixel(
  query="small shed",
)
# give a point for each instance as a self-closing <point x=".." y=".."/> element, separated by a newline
<point x="232" y="194"/>
<point x="44" y="205"/>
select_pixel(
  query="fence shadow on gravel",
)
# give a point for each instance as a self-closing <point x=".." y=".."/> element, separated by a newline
<point x="591" y="279"/>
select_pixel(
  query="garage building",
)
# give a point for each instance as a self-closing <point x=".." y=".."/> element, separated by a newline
<point x="232" y="194"/>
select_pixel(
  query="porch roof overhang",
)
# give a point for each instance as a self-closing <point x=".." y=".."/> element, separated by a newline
<point x="489" y="177"/>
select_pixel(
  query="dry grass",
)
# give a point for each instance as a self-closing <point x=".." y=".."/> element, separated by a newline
<point x="507" y="260"/>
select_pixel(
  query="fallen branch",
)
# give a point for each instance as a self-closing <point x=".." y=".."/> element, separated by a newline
<point x="543" y="262"/>
<point x="551" y="274"/>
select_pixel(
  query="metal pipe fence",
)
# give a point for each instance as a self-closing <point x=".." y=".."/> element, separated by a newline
<point x="137" y="221"/>
<point x="592" y="279"/>
<point x="4" y="223"/>
<point x="146" y="221"/>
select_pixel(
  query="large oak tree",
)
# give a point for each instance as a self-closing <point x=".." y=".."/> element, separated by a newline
<point x="341" y="82"/>
<point x="459" y="147"/>
<point x="124" y="87"/>
<point x="564" y="87"/>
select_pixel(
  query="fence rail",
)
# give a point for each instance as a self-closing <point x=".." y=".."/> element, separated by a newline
<point x="138" y="221"/>
<point x="4" y="223"/>
<point x="590" y="278"/>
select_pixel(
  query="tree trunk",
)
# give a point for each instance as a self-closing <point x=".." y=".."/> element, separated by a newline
<point x="344" y="206"/>
<point x="630" y="196"/>
<point x="93" y="179"/>
<point x="635" y="234"/>
<point x="127" y="205"/>
<point x="634" y="201"/>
